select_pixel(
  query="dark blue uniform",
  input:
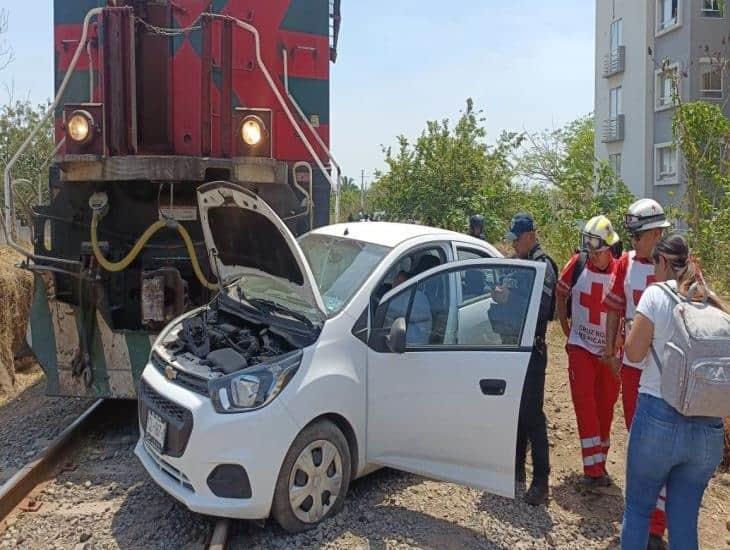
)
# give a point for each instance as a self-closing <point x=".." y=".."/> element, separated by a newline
<point x="532" y="425"/>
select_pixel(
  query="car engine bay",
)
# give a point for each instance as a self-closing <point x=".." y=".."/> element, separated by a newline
<point x="215" y="343"/>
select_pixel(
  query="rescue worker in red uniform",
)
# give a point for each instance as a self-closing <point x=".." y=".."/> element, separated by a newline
<point x="646" y="222"/>
<point x="593" y="386"/>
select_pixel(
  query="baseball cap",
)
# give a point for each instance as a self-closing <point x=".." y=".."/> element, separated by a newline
<point x="521" y="223"/>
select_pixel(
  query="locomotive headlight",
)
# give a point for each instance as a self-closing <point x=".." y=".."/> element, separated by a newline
<point x="80" y="127"/>
<point x="252" y="130"/>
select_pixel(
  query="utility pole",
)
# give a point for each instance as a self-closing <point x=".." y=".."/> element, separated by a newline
<point x="362" y="190"/>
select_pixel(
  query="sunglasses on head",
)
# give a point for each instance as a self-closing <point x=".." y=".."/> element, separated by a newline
<point x="593" y="243"/>
<point x="634" y="223"/>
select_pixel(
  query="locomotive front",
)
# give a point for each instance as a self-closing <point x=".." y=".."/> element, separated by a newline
<point x="155" y="98"/>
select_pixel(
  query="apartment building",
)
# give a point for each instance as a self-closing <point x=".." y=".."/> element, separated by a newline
<point x="634" y="108"/>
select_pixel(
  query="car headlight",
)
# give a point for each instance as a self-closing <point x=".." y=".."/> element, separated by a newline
<point x="80" y="127"/>
<point x="252" y="130"/>
<point x="254" y="387"/>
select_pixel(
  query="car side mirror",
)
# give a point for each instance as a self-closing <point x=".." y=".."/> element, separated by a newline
<point x="396" y="340"/>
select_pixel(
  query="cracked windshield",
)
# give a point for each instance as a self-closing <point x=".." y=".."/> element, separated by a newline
<point x="340" y="266"/>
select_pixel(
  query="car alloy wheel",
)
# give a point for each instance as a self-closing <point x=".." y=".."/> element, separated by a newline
<point x="315" y="481"/>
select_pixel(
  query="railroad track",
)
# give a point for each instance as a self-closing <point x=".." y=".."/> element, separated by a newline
<point x="41" y="468"/>
<point x="17" y="492"/>
<point x="219" y="540"/>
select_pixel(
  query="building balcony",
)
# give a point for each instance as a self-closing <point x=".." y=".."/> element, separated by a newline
<point x="614" y="62"/>
<point x="613" y="129"/>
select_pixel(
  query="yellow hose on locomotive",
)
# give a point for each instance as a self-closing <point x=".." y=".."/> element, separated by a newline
<point x="124" y="263"/>
<point x="194" y="258"/>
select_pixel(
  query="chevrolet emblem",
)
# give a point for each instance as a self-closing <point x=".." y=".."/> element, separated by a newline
<point x="170" y="373"/>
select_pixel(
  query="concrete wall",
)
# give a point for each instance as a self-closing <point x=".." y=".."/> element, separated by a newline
<point x="634" y="87"/>
<point x="672" y="45"/>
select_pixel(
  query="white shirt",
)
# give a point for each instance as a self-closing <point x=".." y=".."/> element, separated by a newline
<point x="656" y="306"/>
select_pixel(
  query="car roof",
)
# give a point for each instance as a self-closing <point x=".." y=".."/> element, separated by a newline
<point x="393" y="234"/>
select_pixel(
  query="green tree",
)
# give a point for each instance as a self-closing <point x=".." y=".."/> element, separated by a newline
<point x="702" y="134"/>
<point x="447" y="174"/>
<point x="17" y="121"/>
<point x="351" y="200"/>
<point x="565" y="185"/>
<point x="348" y="184"/>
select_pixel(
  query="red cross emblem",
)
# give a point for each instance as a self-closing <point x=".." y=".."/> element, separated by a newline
<point x="651" y="279"/>
<point x="593" y="302"/>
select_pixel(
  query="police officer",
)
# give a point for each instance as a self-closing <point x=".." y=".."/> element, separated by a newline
<point x="532" y="425"/>
<point x="476" y="226"/>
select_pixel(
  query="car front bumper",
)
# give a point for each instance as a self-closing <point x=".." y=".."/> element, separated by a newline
<point x="257" y="441"/>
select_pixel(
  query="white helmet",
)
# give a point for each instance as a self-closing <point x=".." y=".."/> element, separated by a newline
<point x="645" y="214"/>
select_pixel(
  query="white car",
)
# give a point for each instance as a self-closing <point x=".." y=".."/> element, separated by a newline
<point x="312" y="368"/>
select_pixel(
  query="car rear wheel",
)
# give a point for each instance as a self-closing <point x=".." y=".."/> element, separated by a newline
<point x="314" y="478"/>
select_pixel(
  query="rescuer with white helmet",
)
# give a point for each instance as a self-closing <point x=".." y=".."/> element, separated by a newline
<point x="646" y="221"/>
<point x="593" y="387"/>
<point x="645" y="214"/>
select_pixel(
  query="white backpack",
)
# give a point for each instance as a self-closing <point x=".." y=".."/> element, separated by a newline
<point x="695" y="364"/>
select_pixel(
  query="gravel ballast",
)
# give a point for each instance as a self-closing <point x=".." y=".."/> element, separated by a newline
<point x="108" y="502"/>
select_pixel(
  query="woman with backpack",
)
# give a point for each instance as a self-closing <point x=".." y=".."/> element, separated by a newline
<point x="667" y="447"/>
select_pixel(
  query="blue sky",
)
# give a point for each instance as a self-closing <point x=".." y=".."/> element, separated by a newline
<point x="527" y="63"/>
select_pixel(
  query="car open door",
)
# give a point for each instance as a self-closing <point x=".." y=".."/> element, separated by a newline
<point x="445" y="404"/>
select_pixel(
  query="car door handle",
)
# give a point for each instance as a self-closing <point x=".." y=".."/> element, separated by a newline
<point x="491" y="386"/>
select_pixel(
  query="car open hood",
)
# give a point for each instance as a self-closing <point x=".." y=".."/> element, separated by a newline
<point x="244" y="236"/>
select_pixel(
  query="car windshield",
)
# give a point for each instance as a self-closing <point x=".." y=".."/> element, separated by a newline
<point x="271" y="295"/>
<point x="340" y="266"/>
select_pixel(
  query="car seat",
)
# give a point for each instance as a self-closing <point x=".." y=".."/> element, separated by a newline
<point x="435" y="291"/>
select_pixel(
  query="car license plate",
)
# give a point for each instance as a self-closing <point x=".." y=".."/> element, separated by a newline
<point x="156" y="429"/>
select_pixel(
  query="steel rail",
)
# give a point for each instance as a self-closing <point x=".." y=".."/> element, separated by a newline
<point x="219" y="539"/>
<point x="14" y="490"/>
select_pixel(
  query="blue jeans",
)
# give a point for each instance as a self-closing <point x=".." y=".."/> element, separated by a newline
<point x="667" y="448"/>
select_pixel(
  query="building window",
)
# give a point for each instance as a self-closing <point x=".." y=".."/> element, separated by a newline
<point x="663" y="87"/>
<point x="615" y="102"/>
<point x="713" y="8"/>
<point x="711" y="80"/>
<point x="615" y="162"/>
<point x="617" y="35"/>
<point x="666" y="163"/>
<point x="667" y="14"/>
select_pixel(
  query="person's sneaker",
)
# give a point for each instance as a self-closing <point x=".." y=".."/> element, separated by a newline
<point x="538" y="493"/>
<point x="604" y="481"/>
<point x="656" y="543"/>
<point x="595" y="482"/>
<point x="588" y="481"/>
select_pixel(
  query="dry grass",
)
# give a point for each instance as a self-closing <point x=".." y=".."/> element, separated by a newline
<point x="16" y="289"/>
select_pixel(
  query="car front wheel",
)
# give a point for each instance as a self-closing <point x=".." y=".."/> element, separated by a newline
<point x="314" y="478"/>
